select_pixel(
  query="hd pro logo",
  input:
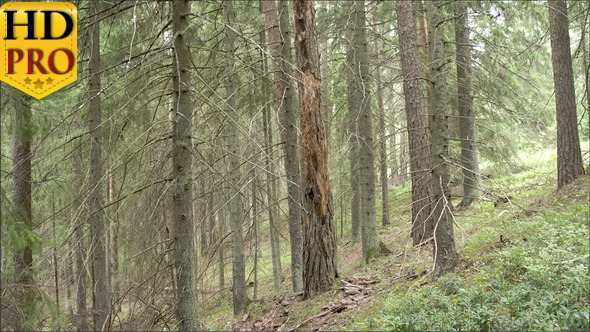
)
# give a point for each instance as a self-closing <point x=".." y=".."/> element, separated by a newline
<point x="39" y="48"/>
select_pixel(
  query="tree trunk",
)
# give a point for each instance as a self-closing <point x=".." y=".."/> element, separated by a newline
<point x="586" y="54"/>
<point x="395" y="162"/>
<point x="255" y="226"/>
<point x="324" y="76"/>
<point x="68" y="276"/>
<point x="236" y="210"/>
<point x="396" y="151"/>
<point x="221" y="230"/>
<point x="79" y="249"/>
<point x="212" y="225"/>
<point x="569" y="156"/>
<point x="205" y="231"/>
<point x="271" y="183"/>
<point x="420" y="13"/>
<point x="54" y="258"/>
<point x="403" y="155"/>
<point x="319" y="241"/>
<point x="280" y="42"/>
<point x="354" y="105"/>
<point x="422" y="225"/>
<point x="385" y="220"/>
<point x="183" y="219"/>
<point x="370" y="238"/>
<point x="100" y="293"/>
<point x="25" y="297"/>
<point x="467" y="129"/>
<point x="114" y="239"/>
<point x="445" y="255"/>
<point x="271" y="188"/>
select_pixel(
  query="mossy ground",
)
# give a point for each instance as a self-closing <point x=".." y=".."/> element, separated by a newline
<point x="523" y="264"/>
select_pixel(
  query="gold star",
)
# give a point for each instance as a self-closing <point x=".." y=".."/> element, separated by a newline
<point x="28" y="80"/>
<point x="49" y="80"/>
<point x="38" y="84"/>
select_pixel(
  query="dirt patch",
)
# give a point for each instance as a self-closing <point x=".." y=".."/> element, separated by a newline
<point x="353" y="293"/>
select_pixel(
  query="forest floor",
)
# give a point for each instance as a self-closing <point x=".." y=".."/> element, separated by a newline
<point x="524" y="257"/>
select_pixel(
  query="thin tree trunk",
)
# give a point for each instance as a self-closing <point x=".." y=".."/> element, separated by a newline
<point x="395" y="151"/>
<point x="204" y="229"/>
<point x="114" y="236"/>
<point x="586" y="63"/>
<point x="385" y="220"/>
<point x="212" y="221"/>
<point x="255" y="225"/>
<point x="235" y="203"/>
<point x="221" y="248"/>
<point x="422" y="226"/>
<point x="79" y="249"/>
<point x="370" y="238"/>
<point x="183" y="218"/>
<point x="271" y="183"/>
<point x="403" y="156"/>
<point x="54" y="258"/>
<point x="445" y="256"/>
<point x="274" y="232"/>
<point x="586" y="53"/>
<point x="354" y="104"/>
<point x="467" y="133"/>
<point x="569" y="156"/>
<point x="280" y="42"/>
<point x="67" y="274"/>
<point x="21" y="176"/>
<point x="319" y="242"/>
<point x="100" y="293"/>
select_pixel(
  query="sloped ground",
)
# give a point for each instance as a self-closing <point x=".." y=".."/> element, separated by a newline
<point x="523" y="266"/>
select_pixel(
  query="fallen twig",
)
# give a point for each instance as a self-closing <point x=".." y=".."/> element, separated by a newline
<point x="571" y="260"/>
<point x="322" y="314"/>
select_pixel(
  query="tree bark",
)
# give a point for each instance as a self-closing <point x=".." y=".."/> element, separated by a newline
<point x="467" y="128"/>
<point x="114" y="239"/>
<point x="403" y="155"/>
<point x="354" y="99"/>
<point x="268" y="8"/>
<point x="271" y="186"/>
<point x="183" y="218"/>
<point x="221" y="262"/>
<point x="586" y="54"/>
<point x="319" y="241"/>
<point x="236" y="209"/>
<point x="211" y="225"/>
<point x="370" y="238"/>
<point x="385" y="219"/>
<point x="418" y="138"/>
<point x="79" y="248"/>
<point x="100" y="293"/>
<point x="586" y="63"/>
<point x="204" y="229"/>
<point x="25" y="297"/>
<point x="280" y="45"/>
<point x="569" y="156"/>
<point x="395" y="150"/>
<point x="445" y="256"/>
<point x="256" y="227"/>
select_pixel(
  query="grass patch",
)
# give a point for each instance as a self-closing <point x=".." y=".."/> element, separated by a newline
<point x="525" y="264"/>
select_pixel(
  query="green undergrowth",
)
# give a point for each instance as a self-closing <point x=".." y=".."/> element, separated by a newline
<point x="524" y="265"/>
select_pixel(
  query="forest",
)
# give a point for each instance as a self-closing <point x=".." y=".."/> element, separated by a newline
<point x="304" y="165"/>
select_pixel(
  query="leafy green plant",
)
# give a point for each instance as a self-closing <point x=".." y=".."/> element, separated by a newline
<point x="538" y="280"/>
